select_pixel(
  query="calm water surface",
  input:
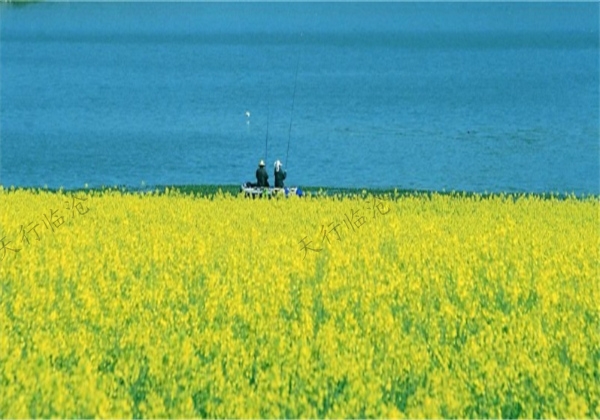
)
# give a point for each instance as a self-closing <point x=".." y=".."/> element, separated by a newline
<point x="463" y="96"/>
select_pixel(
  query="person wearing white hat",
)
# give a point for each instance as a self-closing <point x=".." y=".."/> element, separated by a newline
<point x="262" y="177"/>
<point x="280" y="174"/>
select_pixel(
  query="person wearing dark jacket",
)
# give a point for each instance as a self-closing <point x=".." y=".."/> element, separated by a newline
<point x="262" y="177"/>
<point x="280" y="174"/>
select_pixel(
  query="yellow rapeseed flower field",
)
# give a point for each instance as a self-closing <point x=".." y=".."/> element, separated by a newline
<point x="119" y="304"/>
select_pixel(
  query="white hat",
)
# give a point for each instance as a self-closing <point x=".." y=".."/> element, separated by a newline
<point x="261" y="163"/>
<point x="277" y="164"/>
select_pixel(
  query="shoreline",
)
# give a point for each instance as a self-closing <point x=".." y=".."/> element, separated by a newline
<point x="210" y="190"/>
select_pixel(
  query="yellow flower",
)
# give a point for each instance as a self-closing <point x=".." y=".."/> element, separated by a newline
<point x="168" y="305"/>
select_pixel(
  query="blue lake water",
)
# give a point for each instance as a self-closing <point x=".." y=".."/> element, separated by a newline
<point x="455" y="96"/>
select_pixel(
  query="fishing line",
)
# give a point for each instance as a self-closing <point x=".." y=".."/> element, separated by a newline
<point x="292" y="113"/>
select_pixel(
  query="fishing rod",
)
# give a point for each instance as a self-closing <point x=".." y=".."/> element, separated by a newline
<point x="292" y="113"/>
<point x="267" y="137"/>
